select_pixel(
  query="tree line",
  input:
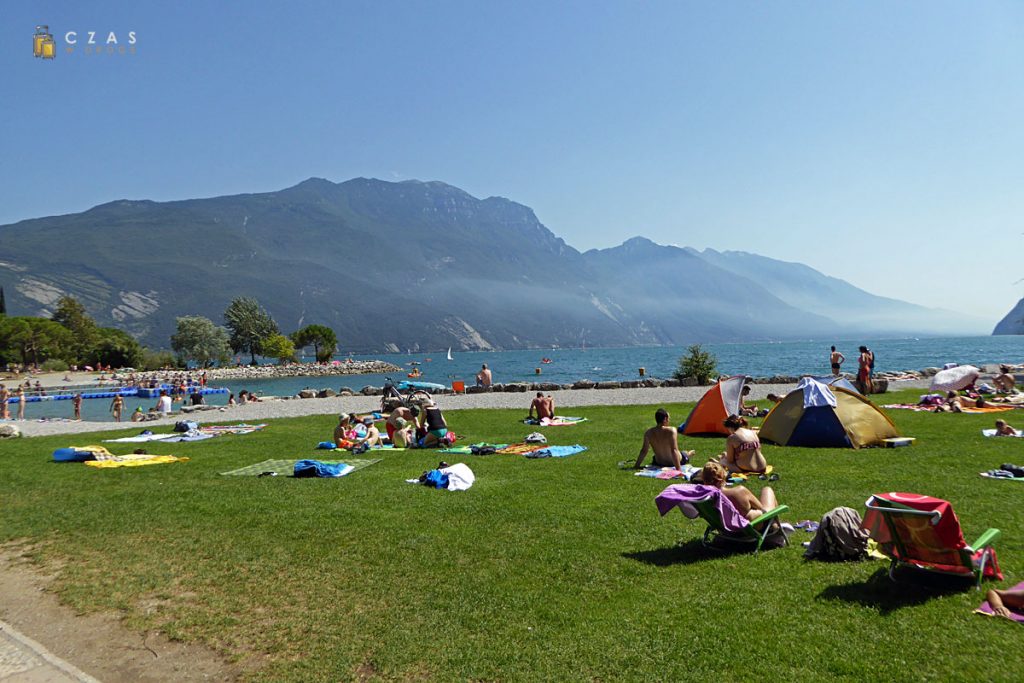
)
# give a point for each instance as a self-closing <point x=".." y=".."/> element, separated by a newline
<point x="71" y="337"/>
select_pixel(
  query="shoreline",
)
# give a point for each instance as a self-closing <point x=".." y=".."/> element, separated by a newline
<point x="276" y="408"/>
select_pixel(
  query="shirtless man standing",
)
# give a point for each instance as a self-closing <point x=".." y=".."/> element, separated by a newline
<point x="4" y="395"/>
<point x="663" y="439"/>
<point x="836" y="359"/>
<point x="544" y="405"/>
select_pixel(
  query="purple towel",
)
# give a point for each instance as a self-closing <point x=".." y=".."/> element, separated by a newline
<point x="685" y="495"/>
<point x="1016" y="616"/>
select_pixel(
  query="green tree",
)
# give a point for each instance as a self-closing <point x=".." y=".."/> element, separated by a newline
<point x="72" y="315"/>
<point x="199" y="339"/>
<point x="115" y="348"/>
<point x="249" y="325"/>
<point x="278" y="346"/>
<point x="3" y="302"/>
<point x="320" y="337"/>
<point x="699" y="364"/>
<point x="35" y="339"/>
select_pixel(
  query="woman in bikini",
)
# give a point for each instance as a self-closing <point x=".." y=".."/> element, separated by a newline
<point x="742" y="448"/>
<point x="745" y="502"/>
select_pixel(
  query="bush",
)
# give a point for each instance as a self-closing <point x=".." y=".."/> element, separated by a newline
<point x="55" y="365"/>
<point x="699" y="364"/>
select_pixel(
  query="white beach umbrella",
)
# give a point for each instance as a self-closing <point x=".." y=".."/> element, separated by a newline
<point x="955" y="379"/>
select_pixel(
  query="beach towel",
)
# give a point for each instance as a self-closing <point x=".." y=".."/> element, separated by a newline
<point x="556" y="451"/>
<point x="519" y="448"/>
<point x="655" y="472"/>
<point x="134" y="460"/>
<point x="908" y="406"/>
<point x="142" y="438"/>
<point x="318" y="468"/>
<point x="992" y="432"/>
<point x="231" y="429"/>
<point x="188" y="437"/>
<point x="684" y="496"/>
<point x="81" y="454"/>
<point x="457" y="450"/>
<point x="986" y="409"/>
<point x="286" y="467"/>
<point x="986" y="609"/>
<point x="556" y="421"/>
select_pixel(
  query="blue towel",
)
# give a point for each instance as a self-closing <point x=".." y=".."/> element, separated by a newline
<point x="326" y="445"/>
<point x="315" y="468"/>
<point x="557" y="451"/>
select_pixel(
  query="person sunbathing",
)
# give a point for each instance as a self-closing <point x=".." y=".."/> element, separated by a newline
<point x="1004" y="381"/>
<point x="1002" y="600"/>
<point x="1003" y="429"/>
<point x="742" y="448"/>
<point x="544" y="407"/>
<point x="954" y="403"/>
<point x="343" y="432"/>
<point x="745" y="502"/>
<point x="663" y="439"/>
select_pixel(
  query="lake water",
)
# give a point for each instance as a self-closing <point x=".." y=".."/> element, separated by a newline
<point x="568" y="365"/>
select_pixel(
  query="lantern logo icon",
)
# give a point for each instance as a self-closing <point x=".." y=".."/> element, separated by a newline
<point x="42" y="43"/>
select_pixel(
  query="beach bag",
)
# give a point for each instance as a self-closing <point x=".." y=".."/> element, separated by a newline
<point x="535" y="437"/>
<point x="186" y="426"/>
<point x="448" y="438"/>
<point x="839" y="537"/>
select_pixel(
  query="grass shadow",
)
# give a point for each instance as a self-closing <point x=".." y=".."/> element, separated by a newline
<point x="690" y="552"/>
<point x="886" y="596"/>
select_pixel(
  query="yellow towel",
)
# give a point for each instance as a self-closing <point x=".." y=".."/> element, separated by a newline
<point x="135" y="460"/>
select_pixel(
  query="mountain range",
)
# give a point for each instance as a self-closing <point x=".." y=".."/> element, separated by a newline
<point x="422" y="265"/>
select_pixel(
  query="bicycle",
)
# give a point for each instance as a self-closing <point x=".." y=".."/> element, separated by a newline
<point x="393" y="398"/>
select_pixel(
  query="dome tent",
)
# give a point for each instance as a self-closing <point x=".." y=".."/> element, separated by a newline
<point x="817" y="416"/>
<point x="718" y="403"/>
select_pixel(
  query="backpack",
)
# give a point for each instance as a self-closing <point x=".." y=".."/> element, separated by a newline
<point x="535" y="437"/>
<point x="840" y="536"/>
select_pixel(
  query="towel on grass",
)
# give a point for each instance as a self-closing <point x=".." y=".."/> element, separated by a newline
<point x="986" y="609"/>
<point x="972" y="410"/>
<point x="231" y="429"/>
<point x="556" y="451"/>
<point x="193" y="435"/>
<point x="134" y="460"/>
<point x="520" y="448"/>
<point x="556" y="421"/>
<point x="142" y="438"/>
<point x="318" y="468"/>
<point x="329" y="446"/>
<point x="657" y="472"/>
<point x="992" y="432"/>
<point x="287" y="467"/>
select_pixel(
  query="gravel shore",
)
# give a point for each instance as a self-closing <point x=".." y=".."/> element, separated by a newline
<point x="564" y="400"/>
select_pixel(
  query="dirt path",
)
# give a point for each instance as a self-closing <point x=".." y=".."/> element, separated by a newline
<point x="97" y="644"/>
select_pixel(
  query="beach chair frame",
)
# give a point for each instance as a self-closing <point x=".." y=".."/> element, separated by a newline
<point x="890" y="512"/>
<point x="749" y="535"/>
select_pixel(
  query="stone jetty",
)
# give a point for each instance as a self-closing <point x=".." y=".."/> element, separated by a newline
<point x="357" y="367"/>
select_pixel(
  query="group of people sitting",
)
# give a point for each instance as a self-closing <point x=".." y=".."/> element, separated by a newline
<point x="406" y="427"/>
<point x="742" y="455"/>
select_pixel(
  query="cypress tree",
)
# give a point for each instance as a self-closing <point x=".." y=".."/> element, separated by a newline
<point x="3" y="302"/>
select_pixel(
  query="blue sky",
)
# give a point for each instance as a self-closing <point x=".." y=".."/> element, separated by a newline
<point x="877" y="142"/>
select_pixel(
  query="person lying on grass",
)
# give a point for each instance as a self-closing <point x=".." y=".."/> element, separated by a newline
<point x="1001" y="601"/>
<point x="663" y="439"/>
<point x="745" y="502"/>
<point x="1004" y="429"/>
<point x="742" y="448"/>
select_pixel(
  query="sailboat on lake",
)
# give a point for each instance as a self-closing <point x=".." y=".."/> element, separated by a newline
<point x="449" y="353"/>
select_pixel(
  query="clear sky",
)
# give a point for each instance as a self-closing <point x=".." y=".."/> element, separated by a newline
<point x="878" y="142"/>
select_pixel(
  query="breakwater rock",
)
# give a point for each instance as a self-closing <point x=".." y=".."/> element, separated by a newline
<point x="362" y="367"/>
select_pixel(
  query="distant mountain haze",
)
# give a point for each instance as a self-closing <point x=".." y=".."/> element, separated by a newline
<point x="421" y="265"/>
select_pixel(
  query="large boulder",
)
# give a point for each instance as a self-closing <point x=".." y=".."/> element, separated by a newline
<point x="584" y="384"/>
<point x="517" y="387"/>
<point x="307" y="393"/>
<point x="608" y="385"/>
<point x="369" y="390"/>
<point x="477" y="390"/>
<point x="325" y="393"/>
<point x="9" y="432"/>
<point x="879" y="386"/>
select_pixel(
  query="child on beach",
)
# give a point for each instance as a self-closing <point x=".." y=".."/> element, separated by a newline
<point x="1004" y="429"/>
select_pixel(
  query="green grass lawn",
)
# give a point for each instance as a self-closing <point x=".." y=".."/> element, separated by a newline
<point x="544" y="570"/>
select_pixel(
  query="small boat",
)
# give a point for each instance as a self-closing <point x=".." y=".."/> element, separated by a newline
<point x="449" y="353"/>
<point x="545" y="360"/>
<point x="415" y="362"/>
<point x="414" y="374"/>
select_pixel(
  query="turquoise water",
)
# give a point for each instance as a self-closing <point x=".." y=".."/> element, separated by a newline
<point x="568" y="365"/>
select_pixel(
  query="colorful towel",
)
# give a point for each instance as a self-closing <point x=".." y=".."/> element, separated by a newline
<point x="520" y="448"/>
<point x="286" y="467"/>
<point x="986" y="609"/>
<point x="908" y="406"/>
<point x="556" y="421"/>
<point x="231" y="429"/>
<point x="655" y="472"/>
<point x="134" y="460"/>
<point x="685" y="495"/>
<point x="456" y="450"/>
<point x="556" y="451"/>
<point x="987" y="409"/>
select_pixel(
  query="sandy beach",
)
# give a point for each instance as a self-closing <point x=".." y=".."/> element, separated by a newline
<point x="280" y="408"/>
